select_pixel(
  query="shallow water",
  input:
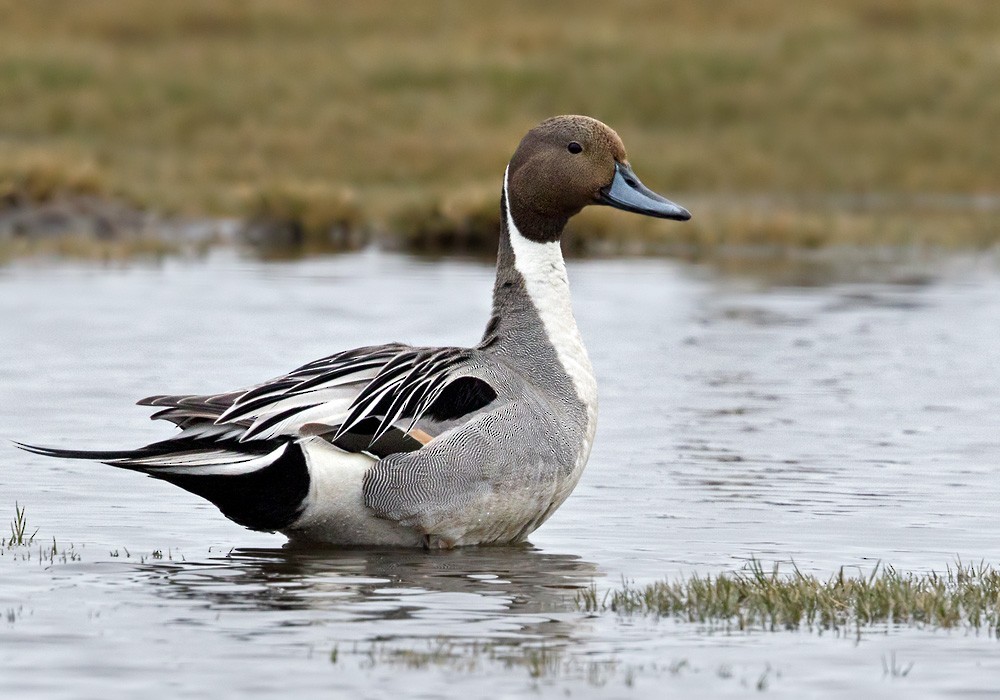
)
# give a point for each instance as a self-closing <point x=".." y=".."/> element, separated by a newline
<point x="832" y="415"/>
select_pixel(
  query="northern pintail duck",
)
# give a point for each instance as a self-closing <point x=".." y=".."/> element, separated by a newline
<point x="424" y="446"/>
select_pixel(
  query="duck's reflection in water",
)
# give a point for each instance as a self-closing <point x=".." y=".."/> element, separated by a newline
<point x="506" y="595"/>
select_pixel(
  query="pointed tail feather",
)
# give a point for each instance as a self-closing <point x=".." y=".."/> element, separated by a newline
<point x="96" y="455"/>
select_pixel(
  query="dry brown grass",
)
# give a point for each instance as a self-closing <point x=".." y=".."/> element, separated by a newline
<point x="86" y="247"/>
<point x="40" y="177"/>
<point x="187" y="106"/>
<point x="297" y="219"/>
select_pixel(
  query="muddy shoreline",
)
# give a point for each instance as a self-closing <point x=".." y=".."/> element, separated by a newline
<point x="85" y="225"/>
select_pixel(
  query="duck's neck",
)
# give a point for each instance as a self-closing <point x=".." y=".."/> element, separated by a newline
<point x="531" y="304"/>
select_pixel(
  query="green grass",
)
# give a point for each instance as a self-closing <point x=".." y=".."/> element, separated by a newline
<point x="19" y="529"/>
<point x="756" y="598"/>
<point x="397" y="108"/>
<point x="20" y="541"/>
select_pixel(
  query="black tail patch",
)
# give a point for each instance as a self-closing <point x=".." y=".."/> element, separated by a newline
<point x="269" y="498"/>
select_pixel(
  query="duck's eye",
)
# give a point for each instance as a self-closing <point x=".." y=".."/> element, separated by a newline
<point x="574" y="147"/>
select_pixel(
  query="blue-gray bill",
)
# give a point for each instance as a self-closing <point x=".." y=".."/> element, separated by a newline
<point x="628" y="193"/>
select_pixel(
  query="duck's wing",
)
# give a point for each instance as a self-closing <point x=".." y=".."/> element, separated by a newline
<point x="359" y="393"/>
<point x="185" y="410"/>
<point x="354" y="366"/>
<point x="241" y="450"/>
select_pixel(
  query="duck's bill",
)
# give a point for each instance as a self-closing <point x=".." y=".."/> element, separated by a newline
<point x="628" y="193"/>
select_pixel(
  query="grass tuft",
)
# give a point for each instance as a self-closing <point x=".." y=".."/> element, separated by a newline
<point x="19" y="529"/>
<point x="468" y="223"/>
<point x="757" y="598"/>
<point x="34" y="177"/>
<point x="297" y="219"/>
<point x="20" y="542"/>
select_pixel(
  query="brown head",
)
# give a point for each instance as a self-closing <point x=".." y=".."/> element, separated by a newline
<point x="568" y="162"/>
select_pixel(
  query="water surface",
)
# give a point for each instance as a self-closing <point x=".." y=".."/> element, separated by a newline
<point x="831" y="415"/>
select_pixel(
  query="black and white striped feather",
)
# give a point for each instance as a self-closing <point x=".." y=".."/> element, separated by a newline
<point x="374" y="388"/>
<point x="242" y="450"/>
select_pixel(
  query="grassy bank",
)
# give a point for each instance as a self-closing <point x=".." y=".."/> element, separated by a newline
<point x="408" y="112"/>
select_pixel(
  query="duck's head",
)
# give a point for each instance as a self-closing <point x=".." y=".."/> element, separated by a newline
<point x="568" y="162"/>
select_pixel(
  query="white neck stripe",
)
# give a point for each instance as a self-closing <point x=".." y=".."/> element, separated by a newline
<point x="544" y="272"/>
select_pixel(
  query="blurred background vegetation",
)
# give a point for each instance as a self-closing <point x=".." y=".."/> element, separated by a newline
<point x="778" y="124"/>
